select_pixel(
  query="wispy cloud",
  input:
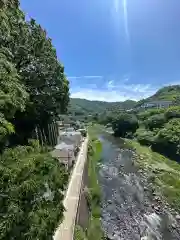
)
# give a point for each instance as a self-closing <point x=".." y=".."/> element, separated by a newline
<point x="111" y="90"/>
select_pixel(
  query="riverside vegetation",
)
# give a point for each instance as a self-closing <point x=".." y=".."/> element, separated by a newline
<point x="33" y="92"/>
<point x="155" y="136"/>
<point x="93" y="194"/>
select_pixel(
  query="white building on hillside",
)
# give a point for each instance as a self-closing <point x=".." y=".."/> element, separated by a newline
<point x="157" y="104"/>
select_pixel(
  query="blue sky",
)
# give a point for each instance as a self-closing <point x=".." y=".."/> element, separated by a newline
<point x="113" y="50"/>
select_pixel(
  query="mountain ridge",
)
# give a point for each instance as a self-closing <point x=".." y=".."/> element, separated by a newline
<point x="81" y="106"/>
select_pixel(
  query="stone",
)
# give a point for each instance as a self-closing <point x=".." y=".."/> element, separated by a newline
<point x="157" y="208"/>
<point x="157" y="198"/>
<point x="178" y="217"/>
<point x="109" y="201"/>
<point x="173" y="226"/>
<point x="145" y="189"/>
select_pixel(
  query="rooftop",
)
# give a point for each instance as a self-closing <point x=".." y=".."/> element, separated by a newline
<point x="64" y="145"/>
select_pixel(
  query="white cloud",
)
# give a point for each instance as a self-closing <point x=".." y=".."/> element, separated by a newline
<point x="114" y="93"/>
<point x="110" y="90"/>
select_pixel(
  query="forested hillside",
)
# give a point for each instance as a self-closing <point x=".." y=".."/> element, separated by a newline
<point x="33" y="92"/>
<point x="83" y="106"/>
<point x="169" y="93"/>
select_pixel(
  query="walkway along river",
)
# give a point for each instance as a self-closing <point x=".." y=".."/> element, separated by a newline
<point x="128" y="211"/>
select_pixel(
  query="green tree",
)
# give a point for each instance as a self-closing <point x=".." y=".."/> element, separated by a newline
<point x="155" y="121"/>
<point x="124" y="124"/>
<point x="172" y="112"/>
<point x="168" y="138"/>
<point x="13" y="94"/>
<point x="26" y="47"/>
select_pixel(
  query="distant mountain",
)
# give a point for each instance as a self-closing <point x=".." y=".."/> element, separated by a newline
<point x="83" y="106"/>
<point x="169" y="93"/>
<point x="79" y="106"/>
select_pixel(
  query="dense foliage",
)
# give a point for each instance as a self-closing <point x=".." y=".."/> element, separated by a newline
<point x="31" y="192"/>
<point x="155" y="121"/>
<point x="168" y="93"/>
<point x="33" y="92"/>
<point x="82" y="107"/>
<point x="34" y="89"/>
<point x="155" y="127"/>
<point x="161" y="131"/>
<point x="125" y="124"/>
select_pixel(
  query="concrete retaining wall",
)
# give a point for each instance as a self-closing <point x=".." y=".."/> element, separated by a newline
<point x="82" y="217"/>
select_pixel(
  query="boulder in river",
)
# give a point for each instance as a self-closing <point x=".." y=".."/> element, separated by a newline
<point x="178" y="217"/>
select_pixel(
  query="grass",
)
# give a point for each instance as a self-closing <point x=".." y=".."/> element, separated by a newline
<point x="94" y="230"/>
<point x="94" y="197"/>
<point x="163" y="173"/>
<point x="79" y="234"/>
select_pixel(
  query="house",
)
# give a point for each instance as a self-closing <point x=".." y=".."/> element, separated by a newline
<point x="69" y="129"/>
<point x="65" y="153"/>
<point x="74" y="136"/>
<point x="157" y="104"/>
<point x="67" y="125"/>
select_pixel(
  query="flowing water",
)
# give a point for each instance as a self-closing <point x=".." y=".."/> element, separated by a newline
<point x="127" y="205"/>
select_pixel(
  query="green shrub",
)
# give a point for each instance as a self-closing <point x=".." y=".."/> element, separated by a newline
<point x="79" y="234"/>
<point x="155" y="121"/>
<point x="145" y="137"/>
<point x="31" y="192"/>
<point x="125" y="124"/>
<point x="172" y="112"/>
<point x="168" y="138"/>
<point x="150" y="112"/>
<point x="94" y="193"/>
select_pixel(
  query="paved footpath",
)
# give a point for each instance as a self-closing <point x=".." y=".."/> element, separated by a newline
<point x="66" y="229"/>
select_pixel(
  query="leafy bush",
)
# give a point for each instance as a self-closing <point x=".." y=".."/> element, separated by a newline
<point x="145" y="137"/>
<point x="31" y="192"/>
<point x="155" y="121"/>
<point x="124" y="124"/>
<point x="150" y="112"/>
<point x="168" y="138"/>
<point x="79" y="234"/>
<point x="172" y="112"/>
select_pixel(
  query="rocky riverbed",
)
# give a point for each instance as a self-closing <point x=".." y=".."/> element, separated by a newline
<point x="130" y="207"/>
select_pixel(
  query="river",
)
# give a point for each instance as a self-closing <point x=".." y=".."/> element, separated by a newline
<point x="128" y="207"/>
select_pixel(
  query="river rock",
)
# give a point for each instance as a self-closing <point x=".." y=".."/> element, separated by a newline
<point x="157" y="208"/>
<point x="145" y="189"/>
<point x="178" y="217"/>
<point x="156" y="198"/>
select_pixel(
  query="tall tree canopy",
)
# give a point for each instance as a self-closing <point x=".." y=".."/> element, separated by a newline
<point x="33" y="91"/>
<point x="34" y="88"/>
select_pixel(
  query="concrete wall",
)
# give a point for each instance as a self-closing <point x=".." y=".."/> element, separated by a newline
<point x="82" y="217"/>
